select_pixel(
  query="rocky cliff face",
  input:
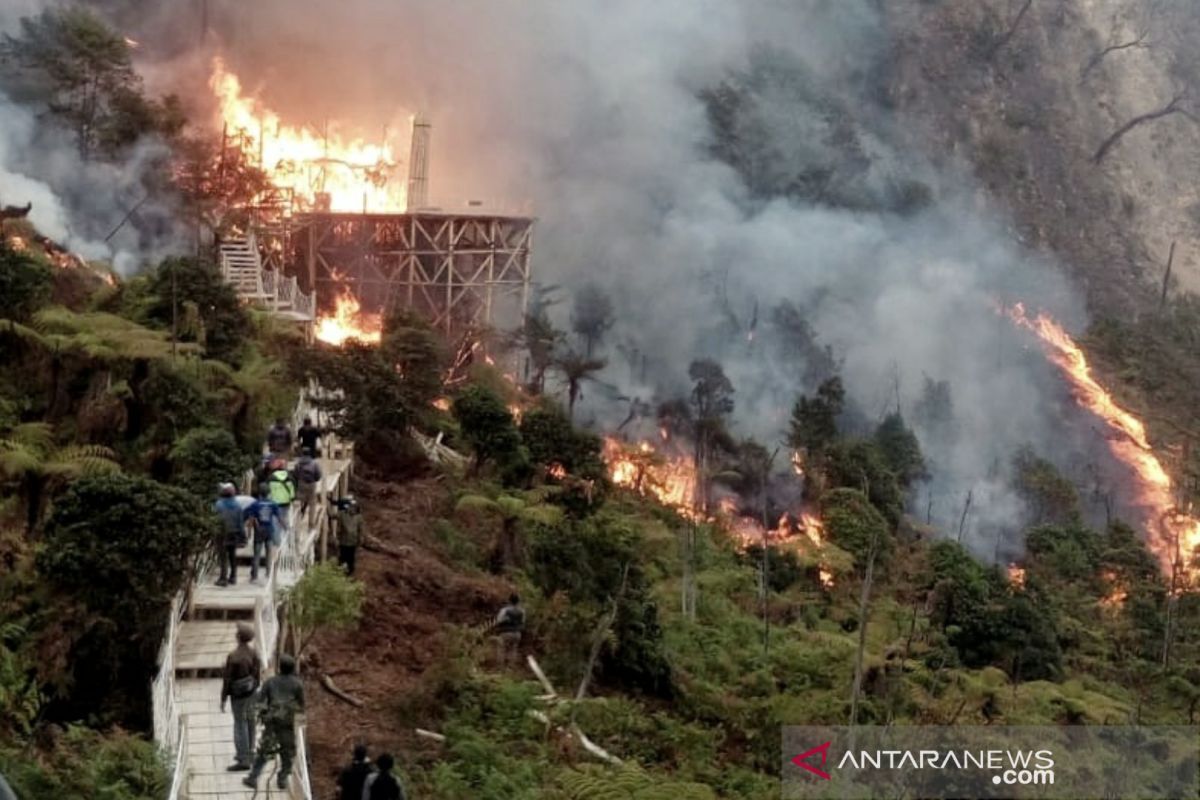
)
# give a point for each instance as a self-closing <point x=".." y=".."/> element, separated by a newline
<point x="1019" y="94"/>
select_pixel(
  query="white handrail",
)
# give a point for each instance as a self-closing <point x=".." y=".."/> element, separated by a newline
<point x="162" y="688"/>
<point x="305" y="784"/>
<point x="179" y="768"/>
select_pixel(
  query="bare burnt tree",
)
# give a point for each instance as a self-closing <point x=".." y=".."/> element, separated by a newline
<point x="1175" y="106"/>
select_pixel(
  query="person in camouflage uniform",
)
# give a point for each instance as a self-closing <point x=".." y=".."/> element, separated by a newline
<point x="280" y="700"/>
<point x="350" y="531"/>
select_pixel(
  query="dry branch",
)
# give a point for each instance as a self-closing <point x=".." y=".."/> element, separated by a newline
<point x="1095" y="60"/>
<point x="437" y="737"/>
<point x="1012" y="29"/>
<point x="331" y="687"/>
<point x="1172" y="107"/>
<point x="376" y="546"/>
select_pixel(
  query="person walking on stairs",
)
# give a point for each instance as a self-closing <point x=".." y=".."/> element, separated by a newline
<point x="509" y="626"/>
<point x="267" y="518"/>
<point x="282" y="487"/>
<point x="350" y="531"/>
<point x="352" y="778"/>
<point x="239" y="684"/>
<point x="309" y="436"/>
<point x="279" y="439"/>
<point x="281" y="699"/>
<point x="383" y="785"/>
<point x="308" y="475"/>
<point x="232" y="536"/>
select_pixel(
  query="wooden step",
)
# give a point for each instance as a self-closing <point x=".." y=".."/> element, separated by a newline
<point x="203" y="646"/>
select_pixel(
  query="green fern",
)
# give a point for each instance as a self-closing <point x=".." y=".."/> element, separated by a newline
<point x="627" y="783"/>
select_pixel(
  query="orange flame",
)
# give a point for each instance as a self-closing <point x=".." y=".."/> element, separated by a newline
<point x="441" y="403"/>
<point x="1016" y="576"/>
<point x="1117" y="596"/>
<point x="356" y="176"/>
<point x="671" y="480"/>
<point x="1179" y="538"/>
<point x="348" y="322"/>
<point x="557" y="471"/>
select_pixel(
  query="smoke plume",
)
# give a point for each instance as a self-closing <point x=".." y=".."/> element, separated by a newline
<point x="703" y="161"/>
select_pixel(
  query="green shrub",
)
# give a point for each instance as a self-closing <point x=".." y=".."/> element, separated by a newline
<point x="86" y="764"/>
<point x="25" y="284"/>
<point x="118" y="548"/>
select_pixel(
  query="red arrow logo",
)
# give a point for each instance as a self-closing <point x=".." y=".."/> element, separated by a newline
<point x="800" y="761"/>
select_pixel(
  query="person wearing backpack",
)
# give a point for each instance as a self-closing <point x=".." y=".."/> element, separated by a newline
<point x="383" y="785"/>
<point x="267" y="518"/>
<point x="281" y="488"/>
<point x="308" y="475"/>
<point x="239" y="684"/>
<point x="233" y="533"/>
<point x="281" y="699"/>
<point x="509" y="625"/>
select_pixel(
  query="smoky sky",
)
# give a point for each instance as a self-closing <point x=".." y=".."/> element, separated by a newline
<point x="698" y="219"/>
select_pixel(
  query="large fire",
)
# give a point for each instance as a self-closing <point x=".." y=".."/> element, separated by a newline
<point x="671" y="479"/>
<point x="1178" y="536"/>
<point x="356" y="175"/>
<point x="347" y="322"/>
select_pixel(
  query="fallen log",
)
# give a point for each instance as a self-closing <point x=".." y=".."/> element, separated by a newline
<point x="437" y="737"/>
<point x="333" y="689"/>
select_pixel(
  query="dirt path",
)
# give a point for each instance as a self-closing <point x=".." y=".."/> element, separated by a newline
<point x="410" y="601"/>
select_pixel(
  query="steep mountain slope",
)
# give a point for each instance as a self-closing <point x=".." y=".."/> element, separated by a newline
<point x="1025" y="101"/>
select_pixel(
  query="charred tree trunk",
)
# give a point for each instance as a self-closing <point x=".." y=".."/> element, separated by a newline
<point x="1170" y="108"/>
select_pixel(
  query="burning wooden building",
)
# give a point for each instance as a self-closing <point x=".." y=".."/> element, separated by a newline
<point x="359" y="237"/>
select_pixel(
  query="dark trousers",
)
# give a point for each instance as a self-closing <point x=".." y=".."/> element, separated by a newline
<point x="228" y="555"/>
<point x="347" y="553"/>
<point x="276" y="740"/>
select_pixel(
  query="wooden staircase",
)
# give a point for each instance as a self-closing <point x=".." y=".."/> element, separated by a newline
<point x="242" y="267"/>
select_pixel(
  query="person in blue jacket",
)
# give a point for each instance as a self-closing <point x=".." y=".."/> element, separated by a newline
<point x="267" y="517"/>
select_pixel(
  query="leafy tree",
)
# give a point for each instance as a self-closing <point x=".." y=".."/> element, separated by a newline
<point x="85" y="74"/>
<point x="324" y="598"/>
<point x="225" y="324"/>
<point x="900" y="450"/>
<point x="859" y="464"/>
<point x="813" y="426"/>
<point x="588" y="561"/>
<point x="541" y="339"/>
<point x="551" y="439"/>
<point x="1069" y="552"/>
<point x="488" y="427"/>
<point x="576" y="368"/>
<point x="798" y="344"/>
<point x="711" y="403"/>
<point x="119" y="548"/>
<point x="934" y="409"/>
<point x="217" y="182"/>
<point x="513" y="511"/>
<point x="1052" y="499"/>
<point x="854" y="525"/>
<point x="206" y="457"/>
<point x="25" y="284"/>
<point x="985" y="622"/>
<point x="30" y="456"/>
<point x="417" y="352"/>
<point x="592" y="316"/>
<point x="369" y="402"/>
